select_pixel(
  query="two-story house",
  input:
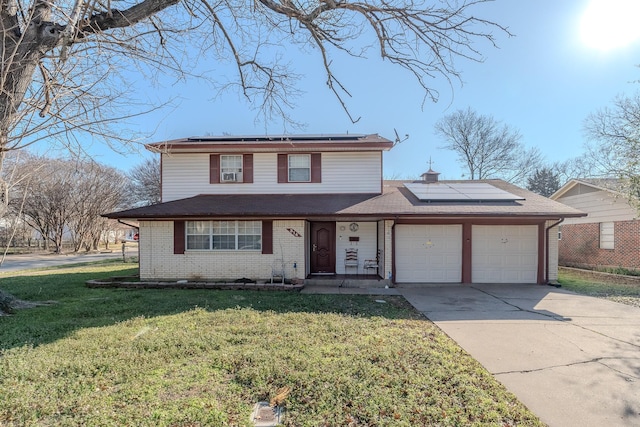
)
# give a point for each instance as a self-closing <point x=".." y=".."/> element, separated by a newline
<point x="233" y="207"/>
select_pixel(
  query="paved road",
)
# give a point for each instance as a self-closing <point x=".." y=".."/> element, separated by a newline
<point x="25" y="262"/>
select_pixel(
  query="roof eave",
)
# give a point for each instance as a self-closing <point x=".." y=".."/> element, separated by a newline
<point x="384" y="215"/>
<point x="274" y="144"/>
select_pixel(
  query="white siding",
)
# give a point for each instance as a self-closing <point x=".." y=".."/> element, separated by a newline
<point x="157" y="260"/>
<point x="187" y="175"/>
<point x="367" y="245"/>
<point x="601" y="206"/>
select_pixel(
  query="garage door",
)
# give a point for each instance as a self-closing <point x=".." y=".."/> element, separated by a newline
<point x="504" y="254"/>
<point x="428" y="253"/>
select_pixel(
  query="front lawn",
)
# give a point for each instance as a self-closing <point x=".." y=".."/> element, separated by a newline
<point x="612" y="287"/>
<point x="103" y="357"/>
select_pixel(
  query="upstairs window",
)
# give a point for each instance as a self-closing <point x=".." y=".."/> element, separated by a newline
<point x="224" y="235"/>
<point x="299" y="168"/>
<point x="230" y="168"/>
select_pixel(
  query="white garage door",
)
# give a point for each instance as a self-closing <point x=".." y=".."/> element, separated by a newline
<point x="504" y="254"/>
<point x="428" y="253"/>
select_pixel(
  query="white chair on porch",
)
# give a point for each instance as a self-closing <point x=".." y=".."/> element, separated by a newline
<point x="372" y="264"/>
<point x="351" y="259"/>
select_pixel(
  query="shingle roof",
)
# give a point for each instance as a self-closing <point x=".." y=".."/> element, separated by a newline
<point x="396" y="201"/>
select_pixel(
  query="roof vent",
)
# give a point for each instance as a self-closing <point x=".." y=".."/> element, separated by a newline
<point x="430" y="176"/>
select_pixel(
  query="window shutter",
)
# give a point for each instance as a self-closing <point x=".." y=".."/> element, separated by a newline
<point x="316" y="167"/>
<point x="283" y="168"/>
<point x="247" y="168"/>
<point x="267" y="237"/>
<point x="178" y="237"/>
<point x="214" y="169"/>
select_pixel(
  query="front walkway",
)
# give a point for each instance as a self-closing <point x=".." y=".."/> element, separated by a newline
<point x="349" y="290"/>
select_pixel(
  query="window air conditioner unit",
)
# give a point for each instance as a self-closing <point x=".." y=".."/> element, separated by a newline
<point x="229" y="177"/>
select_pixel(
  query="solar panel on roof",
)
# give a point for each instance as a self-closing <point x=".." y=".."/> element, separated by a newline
<point x="281" y="138"/>
<point x="460" y="192"/>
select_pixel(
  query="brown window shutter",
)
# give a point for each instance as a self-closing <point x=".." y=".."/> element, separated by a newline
<point x="267" y="237"/>
<point x="214" y="169"/>
<point x="283" y="168"/>
<point x="316" y="167"/>
<point x="178" y="237"/>
<point x="247" y="168"/>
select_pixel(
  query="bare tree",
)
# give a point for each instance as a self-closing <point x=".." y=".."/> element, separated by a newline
<point x="614" y="148"/>
<point x="98" y="189"/>
<point x="14" y="230"/>
<point x="616" y="134"/>
<point x="576" y="167"/>
<point x="60" y="61"/>
<point x="47" y="200"/>
<point x="145" y="182"/>
<point x="67" y="199"/>
<point x="487" y="148"/>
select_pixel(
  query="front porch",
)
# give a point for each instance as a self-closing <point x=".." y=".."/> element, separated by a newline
<point x="350" y="252"/>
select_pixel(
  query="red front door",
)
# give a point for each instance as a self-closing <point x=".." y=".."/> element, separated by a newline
<point x="323" y="248"/>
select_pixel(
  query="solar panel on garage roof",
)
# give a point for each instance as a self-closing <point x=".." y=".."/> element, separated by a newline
<point x="460" y="192"/>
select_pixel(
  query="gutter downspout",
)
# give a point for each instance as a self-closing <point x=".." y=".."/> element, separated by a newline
<point x="547" y="248"/>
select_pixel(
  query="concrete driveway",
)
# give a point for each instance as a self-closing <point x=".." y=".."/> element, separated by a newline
<point x="573" y="360"/>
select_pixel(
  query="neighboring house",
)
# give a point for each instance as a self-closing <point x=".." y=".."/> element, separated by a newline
<point x="233" y="207"/>
<point x="609" y="236"/>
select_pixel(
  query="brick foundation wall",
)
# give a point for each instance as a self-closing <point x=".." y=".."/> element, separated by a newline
<point x="580" y="246"/>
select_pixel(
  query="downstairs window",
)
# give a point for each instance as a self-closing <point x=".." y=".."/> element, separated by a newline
<point x="224" y="235"/>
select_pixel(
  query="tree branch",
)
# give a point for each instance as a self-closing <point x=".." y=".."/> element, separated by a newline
<point x="123" y="18"/>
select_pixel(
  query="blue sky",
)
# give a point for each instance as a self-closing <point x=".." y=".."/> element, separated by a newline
<point x="544" y="81"/>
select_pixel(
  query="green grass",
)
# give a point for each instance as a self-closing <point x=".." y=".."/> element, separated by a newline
<point x="619" y="270"/>
<point x="108" y="357"/>
<point x="576" y="282"/>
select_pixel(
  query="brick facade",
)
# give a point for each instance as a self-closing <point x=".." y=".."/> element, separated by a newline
<point x="580" y="246"/>
<point x="158" y="261"/>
